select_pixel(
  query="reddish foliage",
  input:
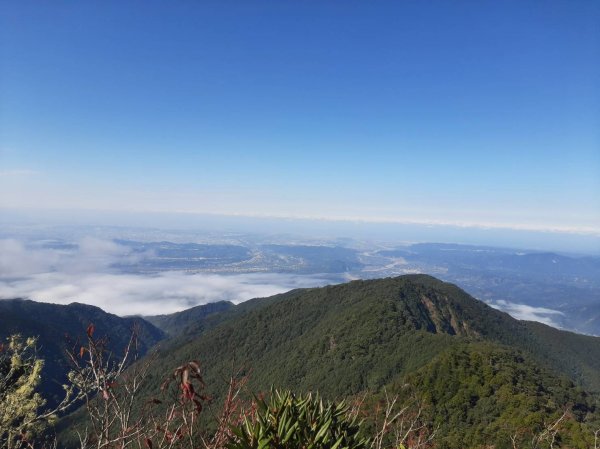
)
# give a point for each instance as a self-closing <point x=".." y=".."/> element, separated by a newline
<point x="188" y="390"/>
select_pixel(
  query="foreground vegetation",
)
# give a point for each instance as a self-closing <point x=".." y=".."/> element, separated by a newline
<point x="474" y="393"/>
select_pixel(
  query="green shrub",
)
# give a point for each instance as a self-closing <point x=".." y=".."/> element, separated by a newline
<point x="288" y="421"/>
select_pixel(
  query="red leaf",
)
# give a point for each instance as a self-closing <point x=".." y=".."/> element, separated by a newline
<point x="105" y="395"/>
<point x="188" y="390"/>
<point x="148" y="443"/>
<point x="90" y="330"/>
<point x="81" y="352"/>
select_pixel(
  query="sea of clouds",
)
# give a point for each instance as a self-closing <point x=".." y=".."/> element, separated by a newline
<point x="544" y="315"/>
<point x="84" y="273"/>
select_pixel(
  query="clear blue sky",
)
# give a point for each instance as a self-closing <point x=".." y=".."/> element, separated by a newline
<point x="476" y="112"/>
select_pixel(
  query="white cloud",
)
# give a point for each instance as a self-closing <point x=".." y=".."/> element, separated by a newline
<point x="17" y="261"/>
<point x="95" y="255"/>
<point x="89" y="255"/>
<point x="529" y="313"/>
<point x="167" y="292"/>
<point x="83" y="274"/>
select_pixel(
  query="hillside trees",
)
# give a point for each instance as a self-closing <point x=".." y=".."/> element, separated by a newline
<point x="120" y="413"/>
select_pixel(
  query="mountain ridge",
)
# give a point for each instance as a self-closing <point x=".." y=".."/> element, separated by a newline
<point x="58" y="328"/>
<point x="366" y="336"/>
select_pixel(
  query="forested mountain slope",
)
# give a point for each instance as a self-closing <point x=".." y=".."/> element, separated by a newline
<point x="178" y="322"/>
<point x="477" y="367"/>
<point x="365" y="332"/>
<point x="59" y="328"/>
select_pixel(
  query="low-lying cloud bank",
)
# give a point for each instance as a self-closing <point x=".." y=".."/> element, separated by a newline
<point x="125" y="294"/>
<point x="82" y="273"/>
<point x="529" y="313"/>
<point x="89" y="255"/>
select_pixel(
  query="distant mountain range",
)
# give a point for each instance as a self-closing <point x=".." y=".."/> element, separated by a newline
<point x="483" y="374"/>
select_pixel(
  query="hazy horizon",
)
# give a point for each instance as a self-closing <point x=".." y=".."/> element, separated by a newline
<point x="561" y="241"/>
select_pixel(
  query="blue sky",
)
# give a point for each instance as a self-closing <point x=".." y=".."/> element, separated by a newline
<point x="470" y="112"/>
